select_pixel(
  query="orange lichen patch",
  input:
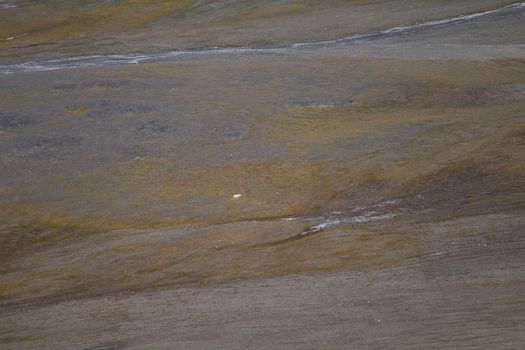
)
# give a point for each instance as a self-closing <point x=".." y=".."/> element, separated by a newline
<point x="322" y="130"/>
<point x="518" y="168"/>
<point x="31" y="212"/>
<point x="416" y="76"/>
<point x="489" y="153"/>
<point x="31" y="225"/>
<point x="62" y="23"/>
<point x="13" y="287"/>
<point x="325" y="251"/>
<point x="263" y="12"/>
<point x="77" y="110"/>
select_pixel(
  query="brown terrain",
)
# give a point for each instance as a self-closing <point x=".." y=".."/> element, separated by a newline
<point x="359" y="194"/>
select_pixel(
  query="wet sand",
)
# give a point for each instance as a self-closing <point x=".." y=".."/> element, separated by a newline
<point x="381" y="183"/>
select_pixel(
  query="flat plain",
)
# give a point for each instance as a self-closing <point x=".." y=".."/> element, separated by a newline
<point x="262" y="174"/>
